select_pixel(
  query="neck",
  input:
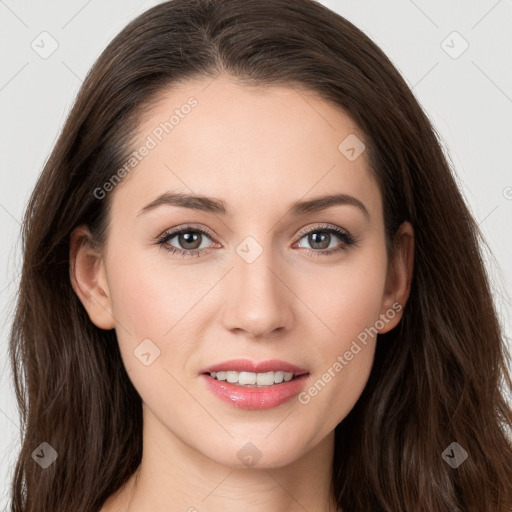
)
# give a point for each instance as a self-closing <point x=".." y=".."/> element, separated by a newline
<point x="173" y="477"/>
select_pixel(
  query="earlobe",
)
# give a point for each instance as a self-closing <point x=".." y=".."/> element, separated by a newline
<point x="399" y="279"/>
<point x="88" y="278"/>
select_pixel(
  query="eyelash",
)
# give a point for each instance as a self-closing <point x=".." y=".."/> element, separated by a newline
<point x="347" y="239"/>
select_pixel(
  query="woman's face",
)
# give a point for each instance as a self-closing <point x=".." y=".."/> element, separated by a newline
<point x="264" y="281"/>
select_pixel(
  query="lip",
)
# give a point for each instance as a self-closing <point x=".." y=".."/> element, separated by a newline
<point x="246" y="365"/>
<point x="255" y="398"/>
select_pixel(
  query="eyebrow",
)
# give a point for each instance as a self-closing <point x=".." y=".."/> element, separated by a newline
<point x="218" y="206"/>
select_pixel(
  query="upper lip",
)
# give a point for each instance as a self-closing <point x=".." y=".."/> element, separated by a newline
<point x="246" y="365"/>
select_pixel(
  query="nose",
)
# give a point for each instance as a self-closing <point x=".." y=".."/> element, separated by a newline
<point x="258" y="301"/>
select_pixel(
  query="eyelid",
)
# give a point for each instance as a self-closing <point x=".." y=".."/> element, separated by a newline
<point x="190" y="227"/>
<point x="206" y="231"/>
<point x="322" y="226"/>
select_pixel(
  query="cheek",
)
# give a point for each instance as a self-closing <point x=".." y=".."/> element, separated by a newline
<point x="144" y="311"/>
<point x="349" y="304"/>
<point x="148" y="299"/>
<point x="348" y="299"/>
<point x="139" y="301"/>
<point x="146" y="307"/>
<point x="153" y="301"/>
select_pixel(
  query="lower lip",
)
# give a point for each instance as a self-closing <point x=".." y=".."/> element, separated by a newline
<point x="256" y="398"/>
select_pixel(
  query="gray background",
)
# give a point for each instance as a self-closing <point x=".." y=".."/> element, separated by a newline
<point x="468" y="96"/>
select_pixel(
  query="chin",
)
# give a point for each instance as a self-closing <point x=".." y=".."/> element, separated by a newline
<point x="257" y="452"/>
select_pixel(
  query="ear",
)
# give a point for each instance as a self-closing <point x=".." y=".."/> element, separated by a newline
<point x="399" y="277"/>
<point x="88" y="278"/>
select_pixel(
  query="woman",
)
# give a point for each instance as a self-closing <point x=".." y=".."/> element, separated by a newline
<point x="250" y="281"/>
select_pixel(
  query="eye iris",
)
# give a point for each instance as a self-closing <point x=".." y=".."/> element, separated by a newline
<point x="319" y="237"/>
<point x="189" y="237"/>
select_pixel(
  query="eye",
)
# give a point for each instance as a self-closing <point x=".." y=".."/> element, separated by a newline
<point x="320" y="239"/>
<point x="189" y="239"/>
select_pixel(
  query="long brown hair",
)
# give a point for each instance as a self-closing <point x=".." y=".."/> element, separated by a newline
<point x="436" y="377"/>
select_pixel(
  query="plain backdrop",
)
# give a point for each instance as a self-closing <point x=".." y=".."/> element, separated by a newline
<point x="456" y="56"/>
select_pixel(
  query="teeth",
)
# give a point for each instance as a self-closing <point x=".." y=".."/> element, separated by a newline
<point x="252" y="379"/>
<point x="232" y="377"/>
<point x="264" y="379"/>
<point x="245" y="378"/>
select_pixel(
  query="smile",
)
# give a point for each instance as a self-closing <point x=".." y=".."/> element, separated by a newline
<point x="253" y="379"/>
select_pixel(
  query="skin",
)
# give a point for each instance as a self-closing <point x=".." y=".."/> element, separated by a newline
<point x="249" y="146"/>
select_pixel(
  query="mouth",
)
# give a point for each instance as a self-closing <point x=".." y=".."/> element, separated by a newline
<point x="255" y="385"/>
<point x="251" y="379"/>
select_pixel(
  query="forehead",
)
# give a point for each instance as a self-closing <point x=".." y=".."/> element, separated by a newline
<point x="250" y="146"/>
